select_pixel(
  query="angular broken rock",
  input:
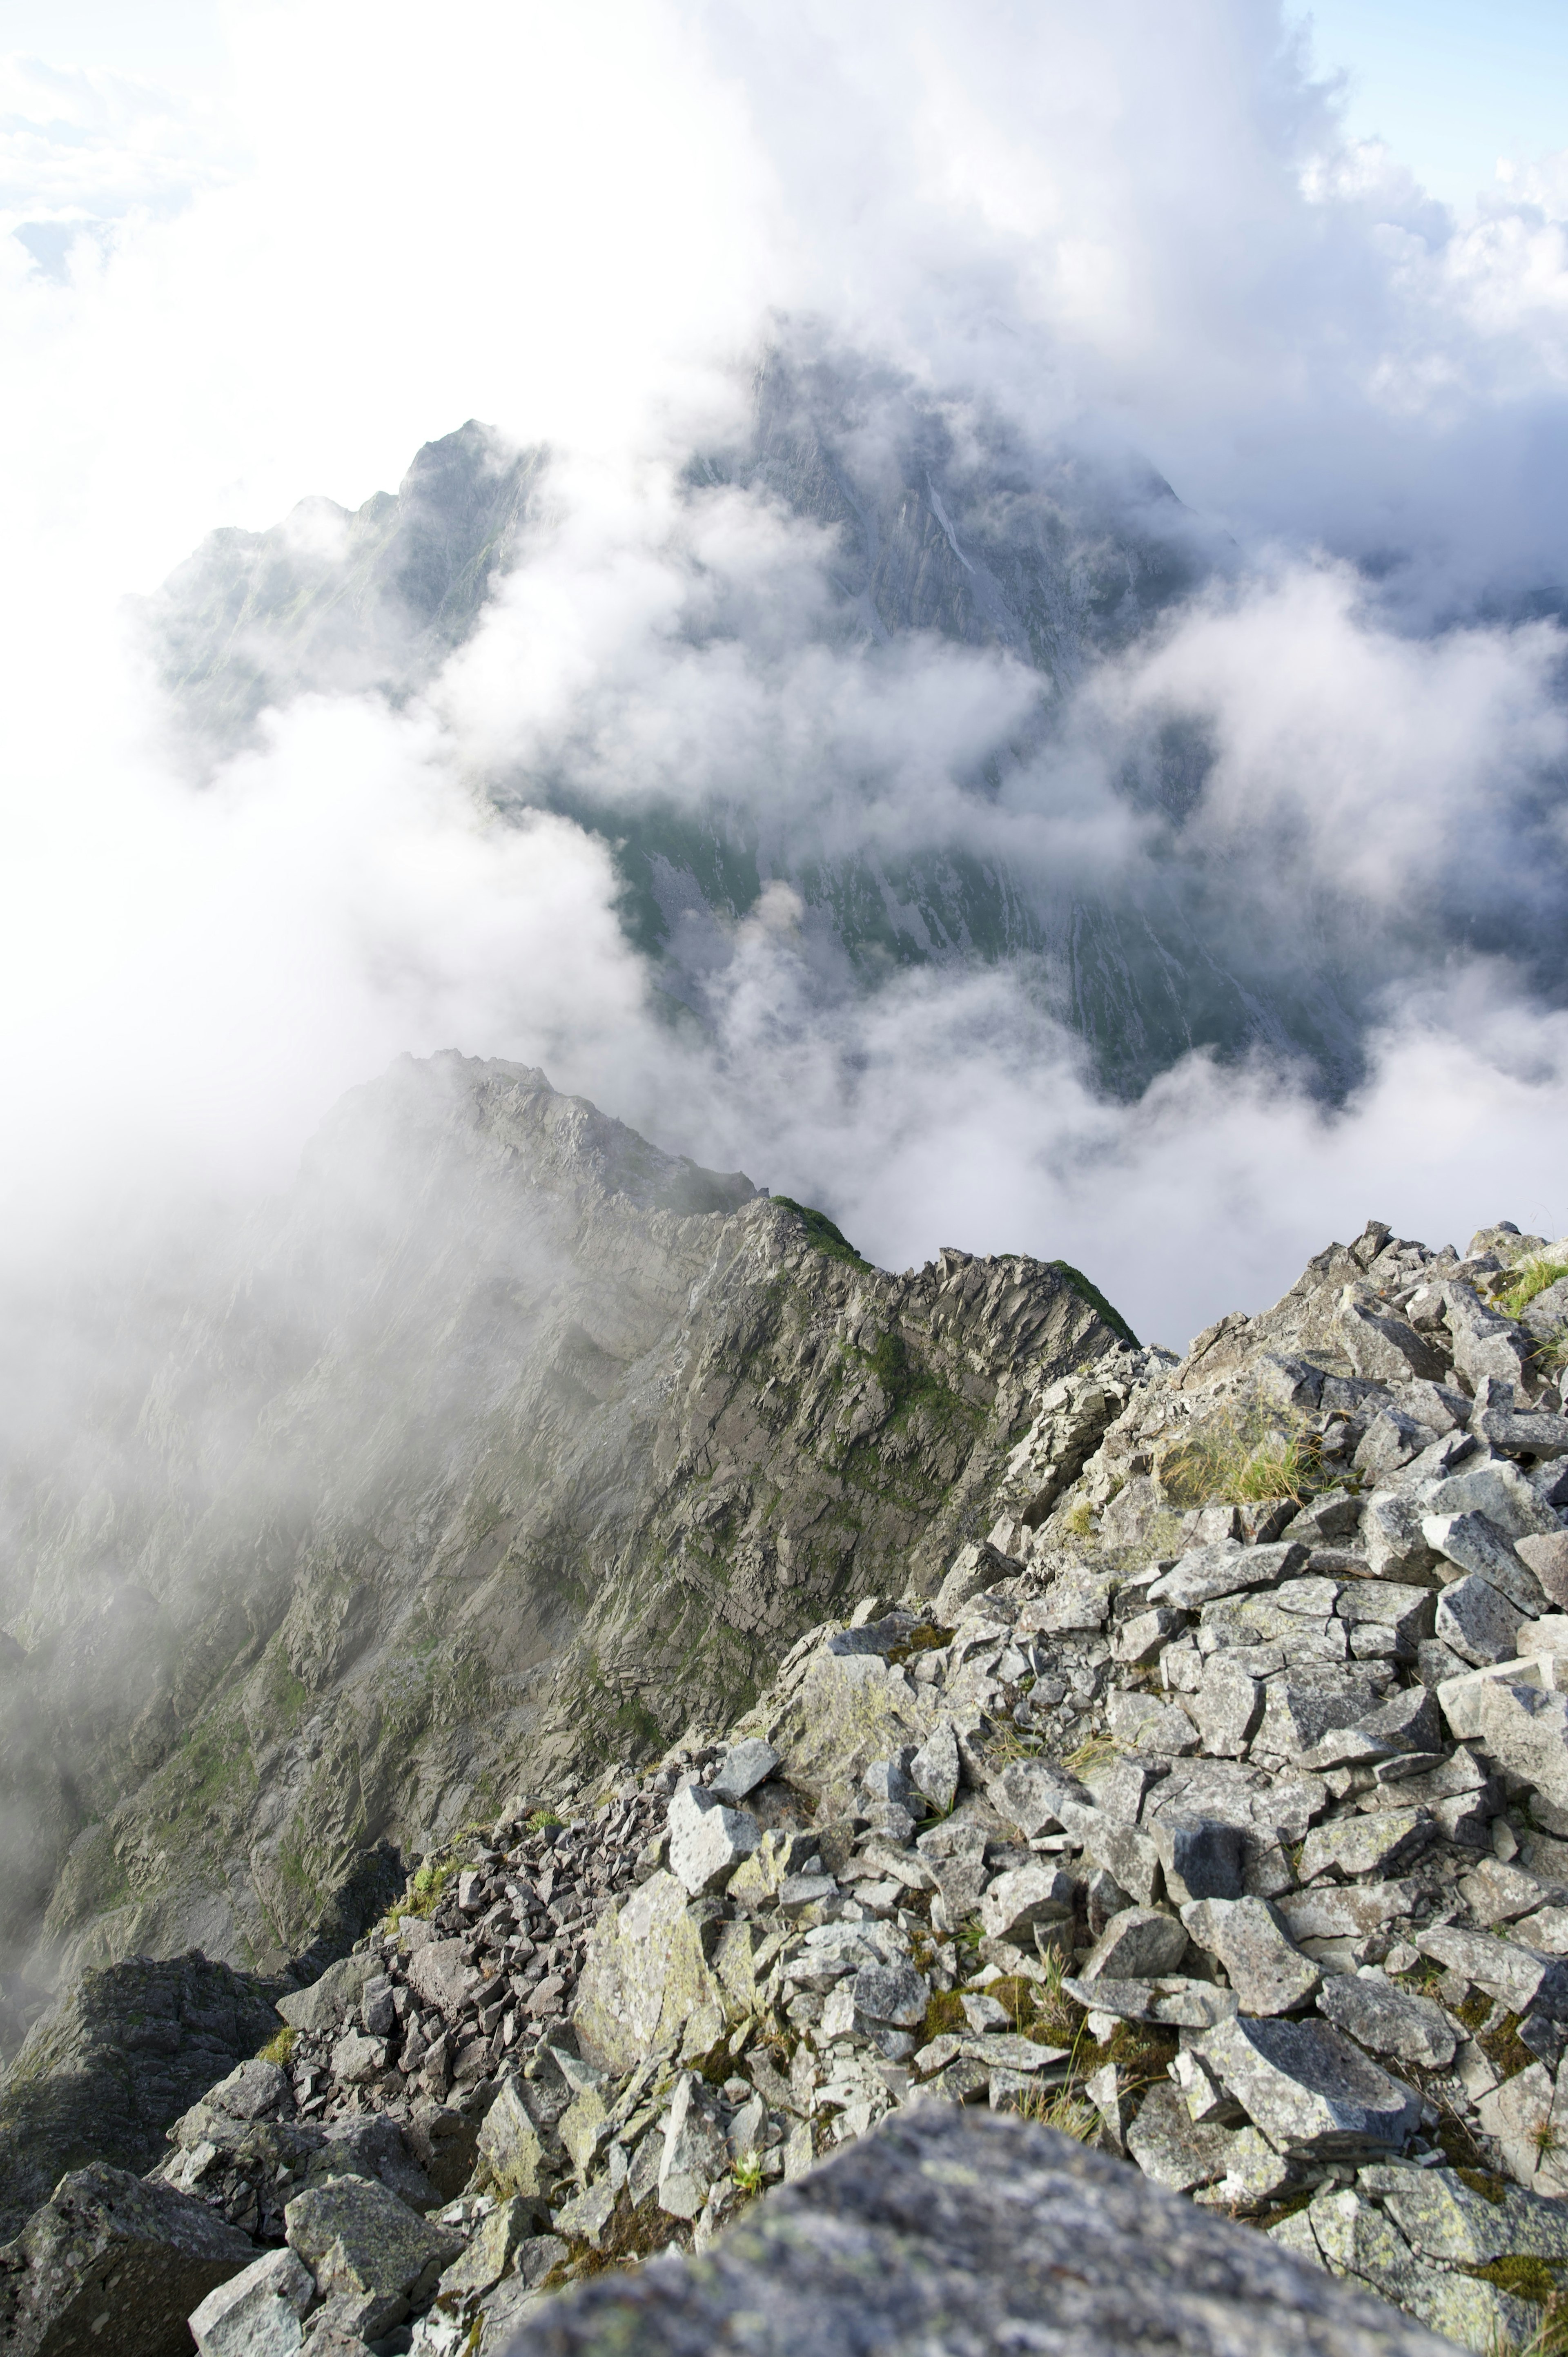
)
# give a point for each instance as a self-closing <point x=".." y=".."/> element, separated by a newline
<point x="1344" y="1911"/>
<point x="646" y="1982"/>
<point x="1309" y="2090"/>
<point x="955" y="1854"/>
<point x="439" y="1972"/>
<point x="320" y="2009"/>
<point x="1475" y="1620"/>
<point x="1523" y="1727"/>
<point x="1267" y="1970"/>
<point x="743" y="1767"/>
<point x="1227" y="1706"/>
<point x="1387" y="2019"/>
<point x="1547" y="1557"/>
<point x="895" y="1994"/>
<point x="1225" y="1570"/>
<point x="106" y="2249"/>
<point x="1472" y="1542"/>
<point x="360" y="2241"/>
<point x="1140" y="1943"/>
<point x="948" y="2229"/>
<point x="707" y="1841"/>
<point x="510" y="2144"/>
<point x="1384" y="1349"/>
<point x="1379" y="1844"/>
<point x="1200" y="1857"/>
<point x="934" y="1769"/>
<point x="1517" y="1977"/>
<point x="1031" y="1795"/>
<point x="1017" y="1901"/>
<point x="256" y="2313"/>
<point x="694" y="2154"/>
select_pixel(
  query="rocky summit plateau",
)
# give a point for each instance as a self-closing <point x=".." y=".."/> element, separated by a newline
<point x="646" y="1784"/>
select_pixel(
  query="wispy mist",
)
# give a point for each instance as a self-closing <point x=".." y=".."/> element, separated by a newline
<point x="1105" y="246"/>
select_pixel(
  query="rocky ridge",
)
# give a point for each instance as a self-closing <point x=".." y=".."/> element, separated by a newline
<point x="510" y="1446"/>
<point x="1229" y="1834"/>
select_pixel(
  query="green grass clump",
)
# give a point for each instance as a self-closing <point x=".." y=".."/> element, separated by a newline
<point x="278" y="2049"/>
<point x="543" y="1821"/>
<point x="1096" y="1299"/>
<point x="1529" y="1277"/>
<point x="822" y="1233"/>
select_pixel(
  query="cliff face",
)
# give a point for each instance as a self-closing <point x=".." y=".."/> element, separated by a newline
<point x="514" y="1447"/>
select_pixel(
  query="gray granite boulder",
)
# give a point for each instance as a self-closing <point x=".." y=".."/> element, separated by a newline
<point x="108" y="2251"/>
<point x="949" y="2231"/>
<point x="118" y="2057"/>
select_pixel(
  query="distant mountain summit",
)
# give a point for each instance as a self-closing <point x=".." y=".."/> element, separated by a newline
<point x="943" y="527"/>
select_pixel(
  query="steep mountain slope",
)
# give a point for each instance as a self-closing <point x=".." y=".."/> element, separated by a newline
<point x="513" y="1446"/>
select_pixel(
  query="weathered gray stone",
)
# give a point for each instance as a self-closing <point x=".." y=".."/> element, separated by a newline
<point x="1340" y="1910"/>
<point x="1497" y="1491"/>
<point x="439" y="1973"/>
<point x="707" y="1841"/>
<point x="109" y="2249"/>
<point x="356" y="2056"/>
<point x="955" y="1854"/>
<point x="1474" y="1544"/>
<point x="1029" y="1895"/>
<point x="1477" y="1622"/>
<point x="1174" y="2000"/>
<point x="257" y="2312"/>
<point x="1171" y="2147"/>
<point x="1390" y="1537"/>
<point x="112" y="2061"/>
<point x="1523" y="1727"/>
<point x="1308" y="2090"/>
<point x="1484" y="1343"/>
<point x="1142" y="1638"/>
<point x="1125" y="1852"/>
<point x="1225" y="1570"/>
<point x="1227" y="1706"/>
<point x="1376" y="1844"/>
<point x="1031" y="1795"/>
<point x="327" y="2004"/>
<point x="1304" y="1704"/>
<point x="1387" y="2019"/>
<point x="1332" y="1515"/>
<point x="1410" y="1721"/>
<point x="950" y="2229"/>
<point x="743" y="1768"/>
<point x="1384" y="1349"/>
<point x="695" y="2155"/>
<point x="1441" y="2217"/>
<point x="1547" y="1557"/>
<point x="1139" y="1944"/>
<point x="646" y="1983"/>
<point x="1506" y="1969"/>
<point x="511" y="2145"/>
<point x="254" y="2090"/>
<point x="1151" y="1725"/>
<point x="1390" y="1440"/>
<point x="493" y="2251"/>
<point x="934" y="1768"/>
<point x="360" y="2241"/>
<point x="895" y="1994"/>
<point x="1267" y="1971"/>
<point x="1201" y="1857"/>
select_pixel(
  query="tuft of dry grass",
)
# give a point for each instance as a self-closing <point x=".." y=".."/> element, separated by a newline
<point x="1238" y="1461"/>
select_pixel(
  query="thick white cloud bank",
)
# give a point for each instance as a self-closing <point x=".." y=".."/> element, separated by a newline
<point x="1140" y="227"/>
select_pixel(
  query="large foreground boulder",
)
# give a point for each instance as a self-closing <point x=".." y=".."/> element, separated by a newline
<point x="945" y="2230"/>
<point x="112" y="2263"/>
<point x="114" y="2061"/>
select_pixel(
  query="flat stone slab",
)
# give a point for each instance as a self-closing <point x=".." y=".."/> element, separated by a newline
<point x="947" y="2231"/>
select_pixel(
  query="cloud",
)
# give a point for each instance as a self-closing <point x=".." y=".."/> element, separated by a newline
<point x="1091" y="233"/>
